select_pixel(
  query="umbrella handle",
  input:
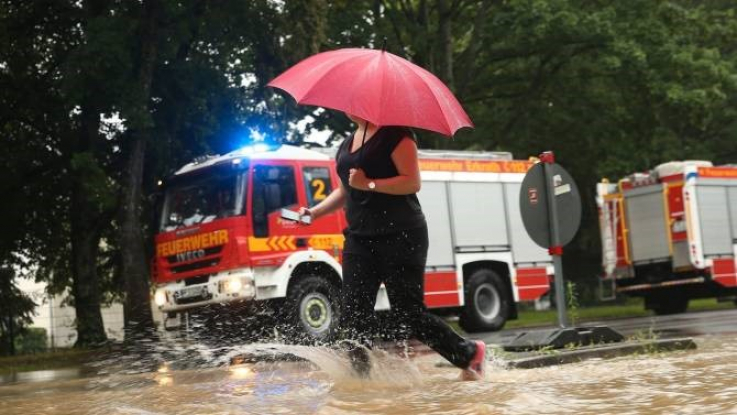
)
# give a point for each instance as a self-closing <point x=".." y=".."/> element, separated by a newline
<point x="363" y="142"/>
<point x="365" y="200"/>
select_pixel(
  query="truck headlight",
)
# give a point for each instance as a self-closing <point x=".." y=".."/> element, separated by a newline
<point x="233" y="285"/>
<point x="160" y="297"/>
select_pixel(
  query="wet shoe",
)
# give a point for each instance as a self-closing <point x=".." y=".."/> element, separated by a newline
<point x="359" y="356"/>
<point x="476" y="370"/>
<point x="360" y="361"/>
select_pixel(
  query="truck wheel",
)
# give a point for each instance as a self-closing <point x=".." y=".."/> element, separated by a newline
<point x="666" y="304"/>
<point x="313" y="309"/>
<point x="487" y="303"/>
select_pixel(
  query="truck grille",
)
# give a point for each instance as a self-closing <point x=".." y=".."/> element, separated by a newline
<point x="173" y="259"/>
<point x="195" y="265"/>
<point x="199" y="279"/>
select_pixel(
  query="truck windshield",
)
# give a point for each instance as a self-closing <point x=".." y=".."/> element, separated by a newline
<point x="203" y="199"/>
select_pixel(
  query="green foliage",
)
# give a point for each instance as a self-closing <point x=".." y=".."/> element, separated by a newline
<point x="611" y="87"/>
<point x="96" y="184"/>
<point x="31" y="341"/>
<point x="16" y="311"/>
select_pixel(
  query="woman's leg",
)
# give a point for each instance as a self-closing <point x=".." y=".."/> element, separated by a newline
<point x="405" y="278"/>
<point x="360" y="284"/>
<point x="406" y="296"/>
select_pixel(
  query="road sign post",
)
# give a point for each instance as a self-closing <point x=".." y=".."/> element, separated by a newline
<point x="556" y="249"/>
<point x="550" y="205"/>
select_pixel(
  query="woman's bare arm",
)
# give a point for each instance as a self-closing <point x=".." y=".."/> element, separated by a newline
<point x="334" y="201"/>
<point x="406" y="182"/>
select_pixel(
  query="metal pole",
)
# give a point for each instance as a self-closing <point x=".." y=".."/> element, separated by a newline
<point x="51" y="322"/>
<point x="555" y="249"/>
<point x="186" y="324"/>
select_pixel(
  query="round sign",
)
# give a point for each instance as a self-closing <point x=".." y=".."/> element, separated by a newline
<point x="533" y="200"/>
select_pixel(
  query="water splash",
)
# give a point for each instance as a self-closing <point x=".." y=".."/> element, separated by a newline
<point x="319" y="380"/>
<point x="388" y="367"/>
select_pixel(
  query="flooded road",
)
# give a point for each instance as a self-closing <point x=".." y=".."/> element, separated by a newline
<point x="702" y="381"/>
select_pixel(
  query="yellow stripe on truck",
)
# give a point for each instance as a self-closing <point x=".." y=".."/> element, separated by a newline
<point x="288" y="243"/>
<point x="329" y="241"/>
<point x="191" y="243"/>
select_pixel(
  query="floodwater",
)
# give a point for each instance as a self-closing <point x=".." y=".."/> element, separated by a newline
<point x="197" y="380"/>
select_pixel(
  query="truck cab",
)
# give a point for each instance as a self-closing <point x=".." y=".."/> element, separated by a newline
<point x="222" y="240"/>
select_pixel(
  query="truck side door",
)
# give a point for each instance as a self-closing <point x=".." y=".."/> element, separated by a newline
<point x="326" y="232"/>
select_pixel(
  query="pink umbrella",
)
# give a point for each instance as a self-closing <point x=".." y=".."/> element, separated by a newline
<point x="377" y="86"/>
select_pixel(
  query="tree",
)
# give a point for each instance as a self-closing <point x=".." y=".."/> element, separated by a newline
<point x="627" y="84"/>
<point x="52" y="121"/>
<point x="16" y="311"/>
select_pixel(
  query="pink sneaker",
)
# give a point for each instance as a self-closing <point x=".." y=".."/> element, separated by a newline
<point x="477" y="368"/>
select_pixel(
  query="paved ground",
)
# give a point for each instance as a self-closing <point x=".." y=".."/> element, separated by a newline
<point x="702" y="323"/>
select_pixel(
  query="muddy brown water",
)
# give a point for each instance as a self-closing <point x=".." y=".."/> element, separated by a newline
<point x="702" y="381"/>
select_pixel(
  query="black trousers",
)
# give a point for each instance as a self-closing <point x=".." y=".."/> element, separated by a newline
<point x="397" y="260"/>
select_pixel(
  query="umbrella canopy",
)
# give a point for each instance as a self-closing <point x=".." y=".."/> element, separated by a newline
<point x="377" y="86"/>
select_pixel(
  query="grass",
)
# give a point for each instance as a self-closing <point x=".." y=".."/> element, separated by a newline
<point x="632" y="308"/>
<point x="58" y="359"/>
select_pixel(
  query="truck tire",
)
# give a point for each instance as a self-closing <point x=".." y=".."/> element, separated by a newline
<point x="312" y="309"/>
<point x="664" y="304"/>
<point x="487" y="302"/>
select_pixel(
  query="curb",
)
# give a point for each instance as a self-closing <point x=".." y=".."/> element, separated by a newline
<point x="607" y="351"/>
<point x="538" y="359"/>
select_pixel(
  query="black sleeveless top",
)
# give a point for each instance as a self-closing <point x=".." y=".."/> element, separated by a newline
<point x="374" y="213"/>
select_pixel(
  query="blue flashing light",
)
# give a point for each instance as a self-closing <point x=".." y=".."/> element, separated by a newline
<point x="255" y="138"/>
<point x="261" y="148"/>
<point x="256" y="148"/>
<point x="246" y="151"/>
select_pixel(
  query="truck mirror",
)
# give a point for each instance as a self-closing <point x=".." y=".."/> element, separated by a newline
<point x="175" y="219"/>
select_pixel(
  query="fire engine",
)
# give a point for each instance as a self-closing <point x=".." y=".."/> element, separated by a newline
<point x="222" y="239"/>
<point x="669" y="235"/>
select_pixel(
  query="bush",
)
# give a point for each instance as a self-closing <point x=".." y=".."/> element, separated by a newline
<point x="31" y="340"/>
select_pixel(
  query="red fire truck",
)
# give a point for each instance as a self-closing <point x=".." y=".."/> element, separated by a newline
<point x="222" y="239"/>
<point x="670" y="234"/>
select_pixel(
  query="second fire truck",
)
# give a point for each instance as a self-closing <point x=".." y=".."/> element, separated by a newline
<point x="222" y="240"/>
<point x="670" y="235"/>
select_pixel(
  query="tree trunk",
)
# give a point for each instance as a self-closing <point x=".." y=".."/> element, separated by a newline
<point x="468" y="59"/>
<point x="445" y="17"/>
<point x="138" y="317"/>
<point x="85" y="284"/>
<point x="426" y="42"/>
<point x="11" y="335"/>
<point x="85" y="219"/>
<point x="134" y="267"/>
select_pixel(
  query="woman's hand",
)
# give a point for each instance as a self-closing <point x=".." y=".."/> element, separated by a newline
<point x="334" y="201"/>
<point x="357" y="179"/>
<point x="304" y="211"/>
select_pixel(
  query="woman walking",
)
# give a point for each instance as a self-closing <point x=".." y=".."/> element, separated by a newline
<point x="386" y="241"/>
